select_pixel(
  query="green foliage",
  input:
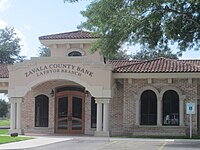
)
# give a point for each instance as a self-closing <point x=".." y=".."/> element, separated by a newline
<point x="151" y="23"/>
<point x="120" y="55"/>
<point x="3" y="108"/>
<point x="147" y="54"/>
<point x="44" y="51"/>
<point x="9" y="46"/>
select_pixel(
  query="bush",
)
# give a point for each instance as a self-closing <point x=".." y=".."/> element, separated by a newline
<point x="3" y="108"/>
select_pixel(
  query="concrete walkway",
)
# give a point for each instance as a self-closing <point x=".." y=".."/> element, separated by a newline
<point x="37" y="141"/>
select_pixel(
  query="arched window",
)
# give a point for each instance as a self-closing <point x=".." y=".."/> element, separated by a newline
<point x="148" y="108"/>
<point x="74" y="53"/>
<point x="41" y="111"/>
<point x="170" y="108"/>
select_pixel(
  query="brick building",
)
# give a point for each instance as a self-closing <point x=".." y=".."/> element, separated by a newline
<point x="76" y="92"/>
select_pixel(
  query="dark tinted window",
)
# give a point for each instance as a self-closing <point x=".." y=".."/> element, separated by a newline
<point x="75" y="53"/>
<point x="148" y="108"/>
<point x="170" y="108"/>
<point x="41" y="111"/>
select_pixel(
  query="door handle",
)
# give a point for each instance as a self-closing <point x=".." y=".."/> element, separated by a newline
<point x="69" y="118"/>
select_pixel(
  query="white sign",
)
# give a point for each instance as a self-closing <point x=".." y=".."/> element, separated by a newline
<point x="190" y="108"/>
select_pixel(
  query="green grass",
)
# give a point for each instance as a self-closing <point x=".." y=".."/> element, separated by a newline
<point x="5" y="122"/>
<point x="8" y="139"/>
<point x="4" y="131"/>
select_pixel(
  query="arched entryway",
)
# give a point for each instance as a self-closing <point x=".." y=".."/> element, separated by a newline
<point x="70" y="110"/>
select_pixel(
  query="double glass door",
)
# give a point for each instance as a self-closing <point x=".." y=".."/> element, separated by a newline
<point x="70" y="113"/>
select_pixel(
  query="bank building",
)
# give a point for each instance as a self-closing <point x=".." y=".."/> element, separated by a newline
<point x="76" y="92"/>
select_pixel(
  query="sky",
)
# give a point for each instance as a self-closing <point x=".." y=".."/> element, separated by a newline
<point x="34" y="18"/>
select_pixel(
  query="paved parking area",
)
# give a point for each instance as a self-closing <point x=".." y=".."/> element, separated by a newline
<point x="99" y="143"/>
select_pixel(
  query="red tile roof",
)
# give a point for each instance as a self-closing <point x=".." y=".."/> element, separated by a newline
<point x="4" y="71"/>
<point x="119" y="63"/>
<point x="69" y="35"/>
<point x="160" y="65"/>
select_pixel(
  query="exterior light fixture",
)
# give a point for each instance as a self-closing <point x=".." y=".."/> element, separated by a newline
<point x="52" y="93"/>
<point x="86" y="93"/>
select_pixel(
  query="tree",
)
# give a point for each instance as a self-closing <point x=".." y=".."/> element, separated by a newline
<point x="153" y="24"/>
<point x="3" y="108"/>
<point x="147" y="54"/>
<point x="121" y="55"/>
<point x="44" y="51"/>
<point x="9" y="46"/>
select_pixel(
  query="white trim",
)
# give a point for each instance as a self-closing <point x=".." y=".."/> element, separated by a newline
<point x="64" y="41"/>
<point x="140" y="91"/>
<point x="4" y="79"/>
<point x="166" y="88"/>
<point x="155" y="75"/>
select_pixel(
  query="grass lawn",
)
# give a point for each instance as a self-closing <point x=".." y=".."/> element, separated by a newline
<point x="4" y="131"/>
<point x="5" y="122"/>
<point x="8" y="139"/>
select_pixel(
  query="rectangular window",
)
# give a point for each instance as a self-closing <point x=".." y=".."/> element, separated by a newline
<point x="93" y="113"/>
<point x="41" y="111"/>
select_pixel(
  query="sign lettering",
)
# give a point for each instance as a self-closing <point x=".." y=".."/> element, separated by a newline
<point x="59" y="68"/>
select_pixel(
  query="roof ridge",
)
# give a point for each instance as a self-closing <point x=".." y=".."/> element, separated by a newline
<point x="191" y="64"/>
<point x="142" y="61"/>
<point x="72" y="34"/>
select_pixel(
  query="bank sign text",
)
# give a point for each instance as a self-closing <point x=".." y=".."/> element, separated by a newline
<point x="58" y="68"/>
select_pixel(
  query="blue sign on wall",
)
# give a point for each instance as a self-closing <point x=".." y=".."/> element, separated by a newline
<point x="190" y="108"/>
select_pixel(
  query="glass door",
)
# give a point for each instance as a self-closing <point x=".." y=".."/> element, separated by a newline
<point x="63" y="118"/>
<point x="70" y="113"/>
<point x="77" y="114"/>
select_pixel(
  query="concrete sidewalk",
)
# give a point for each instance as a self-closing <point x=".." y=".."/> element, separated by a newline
<point x="37" y="141"/>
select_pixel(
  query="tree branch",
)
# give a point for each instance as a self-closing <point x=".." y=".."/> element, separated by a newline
<point x="167" y="9"/>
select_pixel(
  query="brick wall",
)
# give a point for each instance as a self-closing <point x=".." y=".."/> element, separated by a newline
<point x="123" y="106"/>
<point x="28" y="110"/>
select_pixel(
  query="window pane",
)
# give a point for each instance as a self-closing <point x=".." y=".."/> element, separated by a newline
<point x="75" y="53"/>
<point x="41" y="111"/>
<point x="62" y="112"/>
<point x="76" y="113"/>
<point x="170" y="108"/>
<point x="148" y="108"/>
